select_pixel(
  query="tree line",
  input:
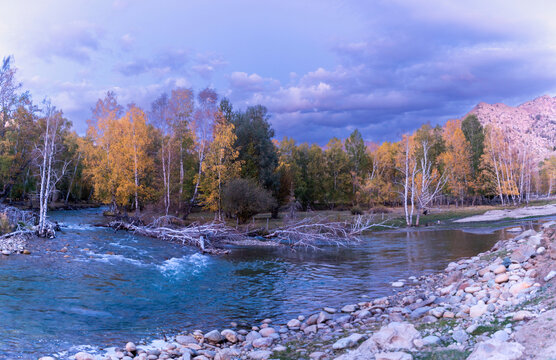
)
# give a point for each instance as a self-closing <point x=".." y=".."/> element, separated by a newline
<point x="192" y="150"/>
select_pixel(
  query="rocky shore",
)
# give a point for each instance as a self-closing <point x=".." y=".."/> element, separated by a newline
<point x="496" y="305"/>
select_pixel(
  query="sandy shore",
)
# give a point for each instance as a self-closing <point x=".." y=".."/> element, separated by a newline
<point x="519" y="213"/>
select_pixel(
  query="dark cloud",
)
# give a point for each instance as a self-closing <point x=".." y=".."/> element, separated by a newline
<point x="418" y="64"/>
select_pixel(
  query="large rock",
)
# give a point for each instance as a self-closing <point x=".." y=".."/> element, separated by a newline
<point x="496" y="350"/>
<point x="227" y="354"/>
<point x="396" y="335"/>
<point x="523" y="253"/>
<point x="230" y="335"/>
<point x="260" y="355"/>
<point x="214" y="336"/>
<point x="398" y="355"/>
<point x="347" y="342"/>
<point x="83" y="356"/>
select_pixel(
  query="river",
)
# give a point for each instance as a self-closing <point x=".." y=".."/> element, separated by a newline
<point x="112" y="287"/>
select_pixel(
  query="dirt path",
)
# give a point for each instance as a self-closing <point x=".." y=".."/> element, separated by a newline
<point x="519" y="213"/>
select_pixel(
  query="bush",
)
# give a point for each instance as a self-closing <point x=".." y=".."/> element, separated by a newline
<point x="356" y="210"/>
<point x="244" y="198"/>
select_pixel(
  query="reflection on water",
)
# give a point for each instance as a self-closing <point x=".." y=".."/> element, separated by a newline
<point x="116" y="287"/>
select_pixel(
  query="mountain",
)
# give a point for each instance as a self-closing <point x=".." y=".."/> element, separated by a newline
<point x="531" y="124"/>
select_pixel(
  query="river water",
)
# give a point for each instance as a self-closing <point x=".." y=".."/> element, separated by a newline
<point x="114" y="287"/>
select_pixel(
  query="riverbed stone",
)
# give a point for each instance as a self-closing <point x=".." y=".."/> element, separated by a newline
<point x="349" y="308"/>
<point x="230" y="335"/>
<point x="347" y="342"/>
<point x="317" y="355"/>
<point x="460" y="336"/>
<point x="550" y="276"/>
<point x="501" y="278"/>
<point x="523" y="253"/>
<point x="263" y="342"/>
<point x="227" y="354"/>
<point x="396" y="335"/>
<point x="214" y="336"/>
<point x="478" y="310"/>
<point x="294" y="324"/>
<point x="430" y="340"/>
<point x="330" y="310"/>
<point x="523" y="315"/>
<point x="266" y="332"/>
<point x="260" y="355"/>
<point x="497" y="350"/>
<point x="312" y="320"/>
<point x="252" y="336"/>
<point x="83" y="356"/>
<point x="323" y="316"/>
<point x="500" y="269"/>
<point x="310" y="329"/>
<point x="396" y="355"/>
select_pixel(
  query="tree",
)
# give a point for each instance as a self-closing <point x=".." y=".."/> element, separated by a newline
<point x="49" y="172"/>
<point x="456" y="159"/>
<point x="244" y="198"/>
<point x="407" y="165"/>
<point x="358" y="160"/>
<point x="338" y="179"/>
<point x="430" y="180"/>
<point x="220" y="165"/>
<point x="254" y="142"/>
<point x="475" y="135"/>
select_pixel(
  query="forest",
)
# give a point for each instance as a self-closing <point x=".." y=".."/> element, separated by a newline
<point x="193" y="150"/>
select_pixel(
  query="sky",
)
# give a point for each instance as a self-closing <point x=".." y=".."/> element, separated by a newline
<point x="323" y="68"/>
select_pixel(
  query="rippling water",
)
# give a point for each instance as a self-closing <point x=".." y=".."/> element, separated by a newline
<point x="115" y="287"/>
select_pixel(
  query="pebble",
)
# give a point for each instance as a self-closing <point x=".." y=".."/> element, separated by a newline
<point x="501" y="278"/>
<point x="397" y="284"/>
<point x="550" y="275"/>
<point x="349" y="308"/>
<point x="294" y="324"/>
<point x="130" y="347"/>
<point x="477" y="310"/>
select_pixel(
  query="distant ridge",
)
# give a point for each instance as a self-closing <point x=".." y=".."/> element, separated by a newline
<point x="531" y="124"/>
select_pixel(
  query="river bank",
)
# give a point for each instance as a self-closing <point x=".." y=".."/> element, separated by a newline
<point x="477" y="305"/>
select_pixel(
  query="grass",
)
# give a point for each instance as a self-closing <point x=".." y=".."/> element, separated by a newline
<point x="500" y="253"/>
<point x="438" y="325"/>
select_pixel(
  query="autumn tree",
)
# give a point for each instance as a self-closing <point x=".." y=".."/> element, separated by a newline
<point x="338" y="181"/>
<point x="358" y="161"/>
<point x="456" y="160"/>
<point x="220" y="165"/>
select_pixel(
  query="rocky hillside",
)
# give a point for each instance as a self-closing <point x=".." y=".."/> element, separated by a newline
<point x="532" y="124"/>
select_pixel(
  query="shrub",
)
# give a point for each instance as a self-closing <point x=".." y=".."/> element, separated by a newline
<point x="244" y="198"/>
<point x="356" y="210"/>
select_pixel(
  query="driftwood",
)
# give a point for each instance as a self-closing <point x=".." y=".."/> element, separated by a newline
<point x="24" y="222"/>
<point x="202" y="236"/>
<point x="313" y="232"/>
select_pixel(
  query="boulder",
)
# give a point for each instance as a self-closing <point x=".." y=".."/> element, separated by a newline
<point x="83" y="356"/>
<point x="294" y="324"/>
<point x="260" y="355"/>
<point x="398" y="355"/>
<point x="523" y="253"/>
<point x="347" y="342"/>
<point x="497" y="350"/>
<point x="214" y="337"/>
<point x="227" y="354"/>
<point x="230" y="335"/>
<point x="396" y="335"/>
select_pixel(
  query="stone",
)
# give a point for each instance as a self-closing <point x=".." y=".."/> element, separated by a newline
<point x="523" y="315"/>
<point x="227" y="354"/>
<point x="230" y="335"/>
<point x="214" y="336"/>
<point x="477" y="310"/>
<point x="263" y="342"/>
<point x="323" y="316"/>
<point x="437" y="312"/>
<point x="294" y="324"/>
<point x="266" y="332"/>
<point x="130" y="347"/>
<point x="523" y="253"/>
<point x="46" y="358"/>
<point x="396" y="335"/>
<point x="550" y="276"/>
<point x="541" y="250"/>
<point x="317" y="355"/>
<point x="501" y="335"/>
<point x="500" y="269"/>
<point x="260" y="355"/>
<point x="417" y="313"/>
<point x="312" y="320"/>
<point x="460" y="336"/>
<point x="185" y="339"/>
<point x="26" y="252"/>
<point x="448" y="315"/>
<point x="349" y="308"/>
<point x="398" y="355"/>
<point x="501" y="278"/>
<point x="347" y="342"/>
<point x="497" y="350"/>
<point x="83" y="356"/>
<point x="6" y="252"/>
<point x="397" y="284"/>
<point x="330" y="310"/>
<point x="252" y="336"/>
<point x="472" y="289"/>
<point x="279" y="348"/>
<point x="519" y="287"/>
<point x="430" y="340"/>
<point x="310" y="329"/>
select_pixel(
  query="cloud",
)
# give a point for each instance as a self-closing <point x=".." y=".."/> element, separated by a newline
<point x="76" y="41"/>
<point x="206" y="64"/>
<point x="160" y="64"/>
<point x="127" y="41"/>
